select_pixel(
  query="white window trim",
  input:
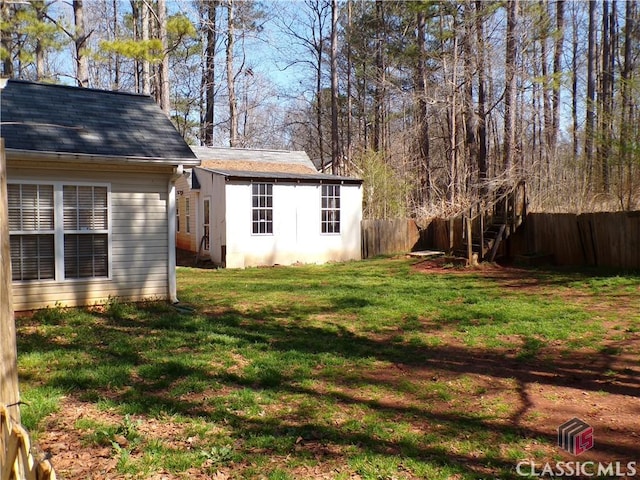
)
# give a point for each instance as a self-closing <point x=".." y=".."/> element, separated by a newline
<point x="339" y="209"/>
<point x="272" y="232"/>
<point x="59" y="231"/>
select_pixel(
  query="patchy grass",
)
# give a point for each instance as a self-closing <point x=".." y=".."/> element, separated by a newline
<point x="359" y="370"/>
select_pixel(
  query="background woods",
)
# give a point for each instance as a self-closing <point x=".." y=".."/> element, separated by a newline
<point x="434" y="103"/>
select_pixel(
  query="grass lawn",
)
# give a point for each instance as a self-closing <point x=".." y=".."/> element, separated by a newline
<point x="374" y="370"/>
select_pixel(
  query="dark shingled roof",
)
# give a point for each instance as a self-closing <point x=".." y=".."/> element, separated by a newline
<point x="61" y="119"/>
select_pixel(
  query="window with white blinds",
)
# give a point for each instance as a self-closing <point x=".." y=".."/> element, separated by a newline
<point x="31" y="223"/>
<point x="86" y="231"/>
<point x="75" y="217"/>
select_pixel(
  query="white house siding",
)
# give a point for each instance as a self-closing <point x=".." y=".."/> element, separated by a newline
<point x="139" y="237"/>
<point x="297" y="233"/>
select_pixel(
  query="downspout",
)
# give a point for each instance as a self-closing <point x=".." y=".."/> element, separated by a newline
<point x="171" y="232"/>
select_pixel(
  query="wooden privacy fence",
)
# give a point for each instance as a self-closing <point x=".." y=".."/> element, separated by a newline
<point x="16" y="460"/>
<point x="381" y="237"/>
<point x="604" y="239"/>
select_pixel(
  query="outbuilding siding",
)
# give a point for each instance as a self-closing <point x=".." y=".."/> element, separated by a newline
<point x="297" y="236"/>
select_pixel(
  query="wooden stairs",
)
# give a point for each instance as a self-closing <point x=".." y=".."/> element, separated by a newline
<point x="489" y="223"/>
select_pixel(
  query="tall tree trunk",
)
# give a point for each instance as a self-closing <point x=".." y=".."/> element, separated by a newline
<point x="6" y="42"/>
<point x="574" y="82"/>
<point x="146" y="67"/>
<point x="609" y="51"/>
<point x="510" y="85"/>
<point x="163" y="71"/>
<point x="423" y="119"/>
<point x="80" y="38"/>
<point x="546" y="101"/>
<point x="557" y="75"/>
<point x="335" y="139"/>
<point x="626" y="118"/>
<point x="135" y="20"/>
<point x="481" y="113"/>
<point x="209" y="70"/>
<point x="349" y="86"/>
<point x="380" y="80"/>
<point x="233" y="103"/>
<point x="470" y="118"/>
<point x="591" y="91"/>
<point x="40" y="9"/>
<point x="116" y="66"/>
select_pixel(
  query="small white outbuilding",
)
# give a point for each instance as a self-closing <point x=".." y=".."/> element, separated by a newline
<point x="245" y="208"/>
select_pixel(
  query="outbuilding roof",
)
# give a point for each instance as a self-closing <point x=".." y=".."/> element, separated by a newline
<point x="254" y="160"/>
<point x="48" y="119"/>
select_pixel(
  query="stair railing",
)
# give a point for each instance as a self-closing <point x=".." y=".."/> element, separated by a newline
<point x="513" y="213"/>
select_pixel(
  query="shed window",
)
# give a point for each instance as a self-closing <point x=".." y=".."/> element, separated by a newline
<point x="330" y="209"/>
<point x="70" y="220"/>
<point x="262" y="211"/>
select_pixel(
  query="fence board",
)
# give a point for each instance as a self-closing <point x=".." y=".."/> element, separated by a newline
<point x="384" y="237"/>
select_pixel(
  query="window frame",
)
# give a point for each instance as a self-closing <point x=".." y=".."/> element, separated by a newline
<point x="262" y="209"/>
<point x="324" y="224"/>
<point x="59" y="230"/>
<point x="36" y="233"/>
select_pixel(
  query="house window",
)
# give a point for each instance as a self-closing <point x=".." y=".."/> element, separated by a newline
<point x="86" y="231"/>
<point x="262" y="211"/>
<point x="330" y="209"/>
<point x="73" y="217"/>
<point x="32" y="227"/>
<point x="187" y="214"/>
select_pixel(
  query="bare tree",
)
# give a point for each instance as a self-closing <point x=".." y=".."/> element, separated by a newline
<point x="591" y="91"/>
<point x="335" y="139"/>
<point x="424" y="171"/>
<point x="208" y="75"/>
<point x="510" y="87"/>
<point x="163" y="70"/>
<point x="233" y="103"/>
<point x="80" y="39"/>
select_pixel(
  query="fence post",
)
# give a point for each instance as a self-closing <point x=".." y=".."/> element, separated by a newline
<point x="9" y="394"/>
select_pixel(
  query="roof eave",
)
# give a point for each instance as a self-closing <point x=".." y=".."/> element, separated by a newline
<point x="89" y="158"/>
<point x="293" y="178"/>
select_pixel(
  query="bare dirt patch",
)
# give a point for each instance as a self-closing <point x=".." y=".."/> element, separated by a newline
<point x="600" y="387"/>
